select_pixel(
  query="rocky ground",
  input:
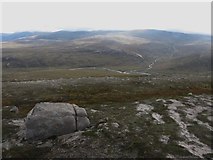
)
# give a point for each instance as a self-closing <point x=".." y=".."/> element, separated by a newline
<point x="174" y="128"/>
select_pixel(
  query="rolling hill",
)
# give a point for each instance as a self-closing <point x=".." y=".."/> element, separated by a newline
<point x="142" y="50"/>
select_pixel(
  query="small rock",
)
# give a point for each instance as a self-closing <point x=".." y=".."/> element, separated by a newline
<point x="116" y="125"/>
<point x="144" y="108"/>
<point x="136" y="102"/>
<point x="190" y="94"/>
<point x="103" y="120"/>
<point x="19" y="144"/>
<point x="161" y="100"/>
<point x="104" y="105"/>
<point x="39" y="143"/>
<point x="139" y="114"/>
<point x="164" y="139"/>
<point x="69" y="138"/>
<point x="14" y="109"/>
<point x="158" y="118"/>
<point x="17" y="122"/>
<point x="103" y="125"/>
<point x="46" y="144"/>
<point x="210" y="118"/>
<point x="170" y="156"/>
<point x="93" y="110"/>
<point x="126" y="130"/>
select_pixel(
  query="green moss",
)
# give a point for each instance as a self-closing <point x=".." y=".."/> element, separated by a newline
<point x="90" y="133"/>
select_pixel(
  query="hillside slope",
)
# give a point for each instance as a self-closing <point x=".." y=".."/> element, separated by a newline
<point x="140" y="49"/>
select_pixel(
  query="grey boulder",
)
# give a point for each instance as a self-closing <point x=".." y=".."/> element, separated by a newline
<point x="54" y="119"/>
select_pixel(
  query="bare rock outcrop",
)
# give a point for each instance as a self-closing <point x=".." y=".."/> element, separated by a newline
<point x="54" y="119"/>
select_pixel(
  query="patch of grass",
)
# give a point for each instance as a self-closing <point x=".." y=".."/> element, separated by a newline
<point x="174" y="149"/>
<point x="8" y="130"/>
<point x="90" y="133"/>
<point x="51" y="74"/>
<point x="203" y="133"/>
<point x="25" y="152"/>
<point x="208" y="156"/>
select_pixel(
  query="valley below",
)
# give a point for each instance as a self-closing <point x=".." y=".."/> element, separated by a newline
<point x="147" y="94"/>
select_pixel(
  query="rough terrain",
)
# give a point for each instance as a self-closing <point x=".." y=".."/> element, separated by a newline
<point x="180" y="128"/>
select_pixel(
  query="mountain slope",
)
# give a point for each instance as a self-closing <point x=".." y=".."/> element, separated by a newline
<point x="142" y="49"/>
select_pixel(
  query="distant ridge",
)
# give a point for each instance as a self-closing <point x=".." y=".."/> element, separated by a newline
<point x="69" y="35"/>
<point x="153" y="50"/>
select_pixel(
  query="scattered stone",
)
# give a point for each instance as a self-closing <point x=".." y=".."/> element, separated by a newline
<point x="17" y="122"/>
<point x="115" y="125"/>
<point x="161" y="100"/>
<point x="190" y="94"/>
<point x="174" y="104"/>
<point x="170" y="156"/>
<point x="144" y="108"/>
<point x="197" y="148"/>
<point x="210" y="118"/>
<point x="14" y="109"/>
<point x="104" y="105"/>
<point x="8" y="144"/>
<point x="139" y="114"/>
<point x="189" y="103"/>
<point x="164" y="139"/>
<point x="123" y="107"/>
<point x="54" y="119"/>
<point x="192" y="115"/>
<point x="46" y="144"/>
<point x="104" y="120"/>
<point x="136" y="102"/>
<point x="126" y="130"/>
<point x="19" y="144"/>
<point x="39" y="143"/>
<point x="193" y="112"/>
<point x="93" y="110"/>
<point x="103" y="126"/>
<point x="158" y="118"/>
<point x="208" y="103"/>
<point x="183" y="116"/>
<point x="69" y="138"/>
<point x="6" y="106"/>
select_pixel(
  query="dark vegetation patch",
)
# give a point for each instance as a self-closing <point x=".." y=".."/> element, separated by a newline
<point x="28" y="151"/>
<point x="203" y="133"/>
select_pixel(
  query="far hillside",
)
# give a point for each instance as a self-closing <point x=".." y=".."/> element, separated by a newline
<point x="140" y="50"/>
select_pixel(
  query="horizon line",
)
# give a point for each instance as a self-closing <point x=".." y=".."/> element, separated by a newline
<point x="91" y="30"/>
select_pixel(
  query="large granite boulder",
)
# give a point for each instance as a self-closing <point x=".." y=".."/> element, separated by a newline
<point x="53" y="119"/>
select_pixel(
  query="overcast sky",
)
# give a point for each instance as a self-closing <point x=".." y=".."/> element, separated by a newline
<point x="182" y="16"/>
